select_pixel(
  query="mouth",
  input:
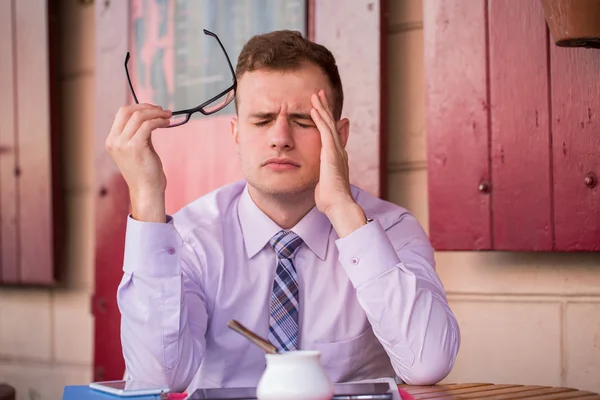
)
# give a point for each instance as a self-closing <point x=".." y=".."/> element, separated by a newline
<point x="280" y="164"/>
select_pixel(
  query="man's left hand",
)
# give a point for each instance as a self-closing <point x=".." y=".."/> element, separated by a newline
<point x="333" y="196"/>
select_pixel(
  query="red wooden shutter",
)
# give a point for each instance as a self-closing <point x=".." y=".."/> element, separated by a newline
<point x="511" y="118"/>
<point x="28" y="157"/>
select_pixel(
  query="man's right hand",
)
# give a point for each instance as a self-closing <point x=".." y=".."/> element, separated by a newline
<point x="129" y="143"/>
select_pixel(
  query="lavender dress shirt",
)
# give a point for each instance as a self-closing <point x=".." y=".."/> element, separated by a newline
<point x="371" y="302"/>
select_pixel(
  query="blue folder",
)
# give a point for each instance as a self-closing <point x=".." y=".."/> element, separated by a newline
<point x="84" y="392"/>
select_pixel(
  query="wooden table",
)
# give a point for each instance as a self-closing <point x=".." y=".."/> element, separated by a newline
<point x="496" y="392"/>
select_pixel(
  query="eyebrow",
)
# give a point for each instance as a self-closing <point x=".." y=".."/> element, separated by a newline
<point x="271" y="115"/>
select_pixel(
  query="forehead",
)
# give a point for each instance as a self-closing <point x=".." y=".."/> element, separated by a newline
<point x="263" y="89"/>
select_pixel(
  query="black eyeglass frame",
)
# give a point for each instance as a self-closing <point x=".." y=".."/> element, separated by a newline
<point x="201" y="108"/>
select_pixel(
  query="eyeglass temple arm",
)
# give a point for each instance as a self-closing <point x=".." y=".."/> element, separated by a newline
<point x="129" y="78"/>
<point x="207" y="32"/>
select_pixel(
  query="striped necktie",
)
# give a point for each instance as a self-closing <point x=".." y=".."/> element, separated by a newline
<point x="283" y="322"/>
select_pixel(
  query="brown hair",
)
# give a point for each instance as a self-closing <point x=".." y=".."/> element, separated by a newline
<point x="286" y="50"/>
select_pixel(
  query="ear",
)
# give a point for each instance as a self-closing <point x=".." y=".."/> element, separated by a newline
<point x="343" y="127"/>
<point x="233" y="125"/>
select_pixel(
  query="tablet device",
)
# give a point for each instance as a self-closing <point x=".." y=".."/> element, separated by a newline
<point x="129" y="388"/>
<point x="345" y="391"/>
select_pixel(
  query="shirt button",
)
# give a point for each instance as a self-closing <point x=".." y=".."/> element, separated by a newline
<point x="171" y="250"/>
<point x="355" y="261"/>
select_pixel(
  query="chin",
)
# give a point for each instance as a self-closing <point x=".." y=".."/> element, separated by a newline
<point x="282" y="185"/>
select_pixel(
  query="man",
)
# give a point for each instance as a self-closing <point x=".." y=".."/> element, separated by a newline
<point x="294" y="252"/>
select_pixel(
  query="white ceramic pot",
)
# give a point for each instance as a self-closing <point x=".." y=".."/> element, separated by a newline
<point x="294" y="375"/>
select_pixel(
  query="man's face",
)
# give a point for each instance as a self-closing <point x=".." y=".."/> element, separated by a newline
<point x="278" y="143"/>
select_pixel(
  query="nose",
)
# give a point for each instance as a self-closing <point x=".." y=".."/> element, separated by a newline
<point x="280" y="135"/>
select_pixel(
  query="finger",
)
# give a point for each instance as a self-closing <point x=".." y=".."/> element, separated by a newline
<point x="323" y="99"/>
<point x="318" y="104"/>
<point x="328" y="120"/>
<point x="144" y="132"/>
<point x="326" y="135"/>
<point x="124" y="114"/>
<point x="139" y="117"/>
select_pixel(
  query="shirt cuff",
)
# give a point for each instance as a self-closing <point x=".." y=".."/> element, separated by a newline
<point x="367" y="253"/>
<point x="152" y="248"/>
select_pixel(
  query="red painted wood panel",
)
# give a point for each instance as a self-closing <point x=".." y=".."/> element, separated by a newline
<point x="9" y="270"/>
<point x="457" y="124"/>
<point x="520" y="136"/>
<point x="28" y="159"/>
<point x="575" y="74"/>
<point x="112" y="197"/>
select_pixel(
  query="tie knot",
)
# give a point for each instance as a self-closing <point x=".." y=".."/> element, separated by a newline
<point x="285" y="243"/>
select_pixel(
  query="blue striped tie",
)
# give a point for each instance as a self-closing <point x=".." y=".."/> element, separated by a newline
<point x="283" y="323"/>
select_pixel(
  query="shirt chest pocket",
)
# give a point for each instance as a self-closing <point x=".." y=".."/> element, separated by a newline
<point x="351" y="351"/>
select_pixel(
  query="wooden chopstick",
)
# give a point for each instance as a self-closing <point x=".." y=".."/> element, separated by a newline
<point x="253" y="337"/>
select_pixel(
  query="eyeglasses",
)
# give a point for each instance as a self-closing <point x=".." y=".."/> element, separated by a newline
<point x="211" y="106"/>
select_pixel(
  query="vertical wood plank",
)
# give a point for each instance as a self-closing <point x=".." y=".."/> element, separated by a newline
<point x="575" y="77"/>
<point x="310" y="19"/>
<point x="457" y="124"/>
<point x="520" y="137"/>
<point x="353" y="33"/>
<point x="34" y="142"/>
<point x="9" y="272"/>
<point x="112" y="198"/>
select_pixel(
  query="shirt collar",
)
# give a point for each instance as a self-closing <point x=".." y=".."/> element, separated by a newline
<point x="258" y="228"/>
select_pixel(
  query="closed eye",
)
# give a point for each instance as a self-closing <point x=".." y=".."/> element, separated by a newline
<point x="261" y="123"/>
<point x="304" y="126"/>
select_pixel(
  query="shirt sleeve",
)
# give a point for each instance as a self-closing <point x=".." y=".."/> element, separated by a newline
<point x="162" y="305"/>
<point x="394" y="275"/>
